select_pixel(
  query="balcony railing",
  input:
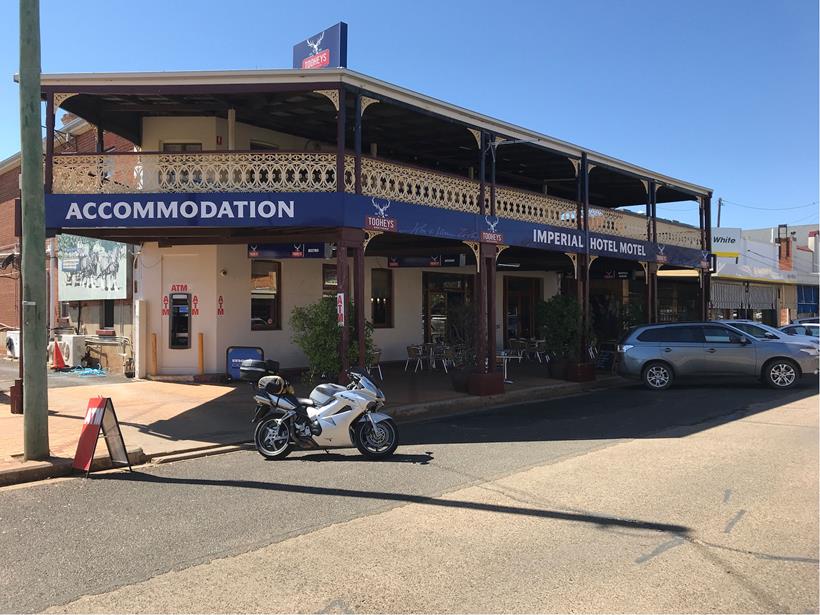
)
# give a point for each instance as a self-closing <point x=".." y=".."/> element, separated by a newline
<point x="135" y="172"/>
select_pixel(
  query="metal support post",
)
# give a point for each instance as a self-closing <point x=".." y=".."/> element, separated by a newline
<point x="340" y="142"/>
<point x="359" y="301"/>
<point x="358" y="145"/>
<point x="342" y="286"/>
<point x="35" y="384"/>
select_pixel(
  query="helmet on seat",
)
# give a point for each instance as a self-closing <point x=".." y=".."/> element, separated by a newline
<point x="275" y="385"/>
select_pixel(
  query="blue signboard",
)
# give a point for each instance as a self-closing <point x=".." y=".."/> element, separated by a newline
<point x="234" y="356"/>
<point x="328" y="49"/>
<point x="239" y="209"/>
<point x="437" y="260"/>
<point x="291" y="250"/>
<point x="334" y="209"/>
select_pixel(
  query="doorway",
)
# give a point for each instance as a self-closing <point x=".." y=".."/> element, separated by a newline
<point x="520" y="296"/>
<point x="444" y="294"/>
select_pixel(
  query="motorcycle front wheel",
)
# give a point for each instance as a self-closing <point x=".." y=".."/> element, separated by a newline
<point x="272" y="439"/>
<point x="379" y="442"/>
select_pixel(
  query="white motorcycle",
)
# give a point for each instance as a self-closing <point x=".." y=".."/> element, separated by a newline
<point x="334" y="416"/>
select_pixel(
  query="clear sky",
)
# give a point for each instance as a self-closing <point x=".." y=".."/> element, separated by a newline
<point x="722" y="93"/>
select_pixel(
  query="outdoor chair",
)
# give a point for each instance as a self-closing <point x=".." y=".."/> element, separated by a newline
<point x="375" y="363"/>
<point x="415" y="353"/>
<point x="518" y="348"/>
<point x="443" y="354"/>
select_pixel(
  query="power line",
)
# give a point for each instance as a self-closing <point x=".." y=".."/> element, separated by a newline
<point x="813" y="203"/>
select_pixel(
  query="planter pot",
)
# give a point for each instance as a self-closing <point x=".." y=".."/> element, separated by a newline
<point x="581" y="372"/>
<point x="558" y="368"/>
<point x="486" y="384"/>
<point x="460" y="379"/>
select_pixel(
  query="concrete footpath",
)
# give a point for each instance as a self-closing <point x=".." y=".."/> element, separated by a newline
<point x="166" y="421"/>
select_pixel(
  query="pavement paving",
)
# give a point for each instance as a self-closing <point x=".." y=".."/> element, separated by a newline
<point x="693" y="499"/>
<point x="164" y="418"/>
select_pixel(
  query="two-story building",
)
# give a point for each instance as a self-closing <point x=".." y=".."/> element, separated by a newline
<point x="252" y="192"/>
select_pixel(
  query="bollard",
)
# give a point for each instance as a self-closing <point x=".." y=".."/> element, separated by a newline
<point x="201" y="337"/>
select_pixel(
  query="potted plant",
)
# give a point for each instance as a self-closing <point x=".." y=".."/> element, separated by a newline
<point x="317" y="333"/>
<point x="461" y="335"/>
<point x="561" y="330"/>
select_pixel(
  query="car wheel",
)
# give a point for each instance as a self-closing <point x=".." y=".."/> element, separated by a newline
<point x="781" y="374"/>
<point x="657" y="376"/>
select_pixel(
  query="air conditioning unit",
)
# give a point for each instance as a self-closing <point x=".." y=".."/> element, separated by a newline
<point x="73" y="348"/>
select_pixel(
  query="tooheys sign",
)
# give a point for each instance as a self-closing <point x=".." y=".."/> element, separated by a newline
<point x="328" y="49"/>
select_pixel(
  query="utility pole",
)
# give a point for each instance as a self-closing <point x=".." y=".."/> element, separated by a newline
<point x="35" y="395"/>
<point x="720" y="204"/>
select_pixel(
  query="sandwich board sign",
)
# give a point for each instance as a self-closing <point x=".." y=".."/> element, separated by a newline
<point x="100" y="420"/>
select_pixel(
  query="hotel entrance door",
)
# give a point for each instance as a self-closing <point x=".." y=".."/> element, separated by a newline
<point x="444" y="293"/>
<point x="520" y="295"/>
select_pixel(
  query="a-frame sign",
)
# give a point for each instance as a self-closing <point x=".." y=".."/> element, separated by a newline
<point x="100" y="420"/>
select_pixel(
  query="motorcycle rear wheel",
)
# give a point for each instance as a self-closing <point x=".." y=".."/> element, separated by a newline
<point x="272" y="439"/>
<point x="378" y="443"/>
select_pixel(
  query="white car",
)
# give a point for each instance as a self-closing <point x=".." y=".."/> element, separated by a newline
<point x="810" y="329"/>
<point x="764" y="332"/>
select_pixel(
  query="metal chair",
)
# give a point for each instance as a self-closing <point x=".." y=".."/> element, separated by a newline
<point x="375" y="363"/>
<point x="415" y="353"/>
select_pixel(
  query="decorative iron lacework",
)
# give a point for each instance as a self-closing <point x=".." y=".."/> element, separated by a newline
<point x="231" y="171"/>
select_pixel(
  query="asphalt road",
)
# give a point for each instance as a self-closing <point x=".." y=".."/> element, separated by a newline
<point x="72" y="538"/>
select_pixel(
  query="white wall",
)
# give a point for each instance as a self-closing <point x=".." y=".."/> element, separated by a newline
<point x="159" y="130"/>
<point x="200" y="267"/>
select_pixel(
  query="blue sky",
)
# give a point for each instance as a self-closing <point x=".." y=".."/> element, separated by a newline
<point x="722" y="93"/>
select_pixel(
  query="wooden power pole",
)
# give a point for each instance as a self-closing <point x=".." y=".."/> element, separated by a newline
<point x="35" y="338"/>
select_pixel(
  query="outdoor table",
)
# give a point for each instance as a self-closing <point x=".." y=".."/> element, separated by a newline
<point x="505" y="356"/>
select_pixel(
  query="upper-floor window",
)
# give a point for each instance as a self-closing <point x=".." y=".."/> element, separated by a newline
<point x="181" y="148"/>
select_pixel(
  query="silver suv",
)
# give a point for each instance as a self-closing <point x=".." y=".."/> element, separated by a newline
<point x="658" y="354"/>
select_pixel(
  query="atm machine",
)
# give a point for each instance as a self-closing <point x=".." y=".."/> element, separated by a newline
<point x="180" y="321"/>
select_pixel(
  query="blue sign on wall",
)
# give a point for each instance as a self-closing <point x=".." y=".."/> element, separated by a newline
<point x="328" y="49"/>
<point x="291" y="250"/>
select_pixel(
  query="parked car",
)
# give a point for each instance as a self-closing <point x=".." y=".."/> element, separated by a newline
<point x="764" y="332"/>
<point x="801" y="321"/>
<point x="811" y="329"/>
<point x="660" y="354"/>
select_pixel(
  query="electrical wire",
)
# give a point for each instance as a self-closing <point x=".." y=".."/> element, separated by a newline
<point x="813" y="203"/>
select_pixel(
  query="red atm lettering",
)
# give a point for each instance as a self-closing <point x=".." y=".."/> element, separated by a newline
<point x="179" y="288"/>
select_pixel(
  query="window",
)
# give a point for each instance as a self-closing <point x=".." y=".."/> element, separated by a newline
<point x="719" y="335"/>
<point x="672" y="334"/>
<point x="181" y="148"/>
<point x="108" y="313"/>
<point x="265" y="295"/>
<point x="330" y="283"/>
<point x="754" y="330"/>
<point x="260" y="146"/>
<point x="381" y="298"/>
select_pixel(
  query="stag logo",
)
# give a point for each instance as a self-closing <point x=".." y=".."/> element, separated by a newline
<point x="661" y="257"/>
<point x="380" y="209"/>
<point x="380" y="222"/>
<point x="492" y="235"/>
<point x="315" y="45"/>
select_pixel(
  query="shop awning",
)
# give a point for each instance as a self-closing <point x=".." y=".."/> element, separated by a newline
<point x="727" y="295"/>
<point x="762" y="297"/>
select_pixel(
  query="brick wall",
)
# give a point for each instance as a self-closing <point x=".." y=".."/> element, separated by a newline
<point x="10" y="190"/>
